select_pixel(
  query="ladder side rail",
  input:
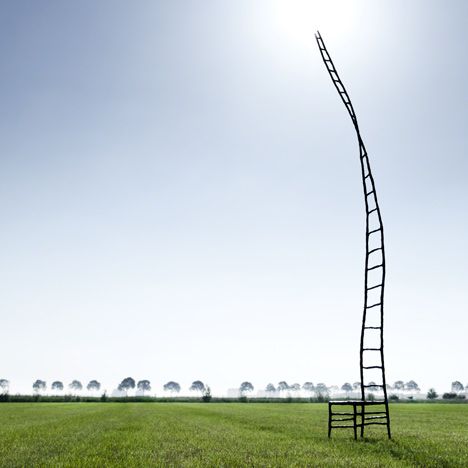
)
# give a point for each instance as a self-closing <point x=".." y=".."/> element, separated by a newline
<point x="363" y="156"/>
<point x="366" y="275"/>
<point x="343" y="93"/>
<point x="382" y="289"/>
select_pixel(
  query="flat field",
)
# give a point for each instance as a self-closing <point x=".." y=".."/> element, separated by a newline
<point x="224" y="434"/>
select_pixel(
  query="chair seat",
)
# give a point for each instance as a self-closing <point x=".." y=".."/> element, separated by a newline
<point x="356" y="402"/>
<point x="357" y="416"/>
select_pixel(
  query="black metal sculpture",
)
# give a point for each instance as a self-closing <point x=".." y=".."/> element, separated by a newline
<point x="371" y="357"/>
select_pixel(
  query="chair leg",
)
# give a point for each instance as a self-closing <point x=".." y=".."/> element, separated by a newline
<point x="362" y="420"/>
<point x="354" y="422"/>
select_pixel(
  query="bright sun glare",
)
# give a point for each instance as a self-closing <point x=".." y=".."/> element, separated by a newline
<point x="300" y="19"/>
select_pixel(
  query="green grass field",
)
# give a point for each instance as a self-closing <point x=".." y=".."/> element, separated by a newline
<point x="224" y="434"/>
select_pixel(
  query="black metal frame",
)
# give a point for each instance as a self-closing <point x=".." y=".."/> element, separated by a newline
<point x="375" y="261"/>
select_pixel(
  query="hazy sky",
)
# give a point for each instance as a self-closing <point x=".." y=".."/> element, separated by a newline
<point x="181" y="197"/>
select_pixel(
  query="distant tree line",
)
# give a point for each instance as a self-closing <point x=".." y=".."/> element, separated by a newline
<point x="308" y="387"/>
<point x="125" y="386"/>
<point x="347" y="387"/>
<point x="58" y="386"/>
<point x="245" y="388"/>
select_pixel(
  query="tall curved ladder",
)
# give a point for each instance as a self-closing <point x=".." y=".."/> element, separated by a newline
<point x="371" y="355"/>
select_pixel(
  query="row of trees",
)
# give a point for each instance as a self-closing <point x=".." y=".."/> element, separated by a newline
<point x="143" y="386"/>
<point x="457" y="387"/>
<point x="171" y="386"/>
<point x="347" y="387"/>
<point x="456" y="393"/>
<point x="322" y="389"/>
<point x="246" y="387"/>
<point x="307" y="386"/>
<point x="125" y="385"/>
<point x="75" y="385"/>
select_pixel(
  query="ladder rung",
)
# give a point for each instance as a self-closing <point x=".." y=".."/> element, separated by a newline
<point x="343" y="419"/>
<point x="370" y="193"/>
<point x="371" y="211"/>
<point x="372" y="412"/>
<point x="375" y="250"/>
<point x="375" y="267"/>
<point x="374" y="417"/>
<point x="366" y="176"/>
<point x="376" y="286"/>
<point x="374" y="305"/>
<point x="369" y="386"/>
<point x="371" y="349"/>
<point x="372" y="328"/>
<point x="375" y="230"/>
<point x="372" y="367"/>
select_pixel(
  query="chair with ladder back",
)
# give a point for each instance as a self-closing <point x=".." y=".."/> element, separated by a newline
<point x="357" y="414"/>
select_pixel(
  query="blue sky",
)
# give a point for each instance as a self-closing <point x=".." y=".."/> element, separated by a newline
<point x="181" y="198"/>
